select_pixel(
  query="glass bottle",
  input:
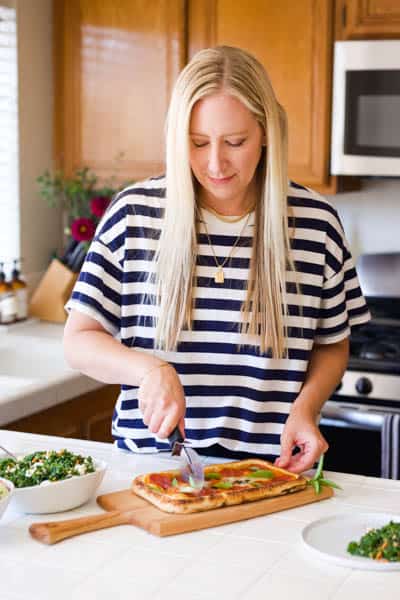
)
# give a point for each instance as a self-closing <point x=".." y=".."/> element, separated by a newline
<point x="8" y="302"/>
<point x="20" y="289"/>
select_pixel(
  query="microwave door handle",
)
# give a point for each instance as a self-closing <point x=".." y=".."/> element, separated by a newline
<point x="345" y="417"/>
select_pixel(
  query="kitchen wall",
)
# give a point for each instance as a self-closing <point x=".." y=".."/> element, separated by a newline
<point x="371" y="216"/>
<point x="40" y="226"/>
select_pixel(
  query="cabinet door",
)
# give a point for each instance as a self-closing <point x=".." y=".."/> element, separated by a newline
<point x="294" y="41"/>
<point x="115" y="63"/>
<point x="367" y="19"/>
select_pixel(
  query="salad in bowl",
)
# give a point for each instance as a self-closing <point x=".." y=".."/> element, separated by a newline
<point x="49" y="481"/>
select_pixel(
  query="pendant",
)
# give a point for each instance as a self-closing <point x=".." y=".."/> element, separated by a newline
<point x="219" y="275"/>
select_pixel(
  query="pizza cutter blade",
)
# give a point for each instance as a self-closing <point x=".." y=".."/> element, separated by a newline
<point x="192" y="468"/>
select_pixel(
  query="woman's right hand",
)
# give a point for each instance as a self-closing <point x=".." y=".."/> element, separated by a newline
<point x="162" y="400"/>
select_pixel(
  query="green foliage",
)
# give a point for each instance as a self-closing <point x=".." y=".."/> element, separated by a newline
<point x="379" y="544"/>
<point x="318" y="481"/>
<point x="72" y="193"/>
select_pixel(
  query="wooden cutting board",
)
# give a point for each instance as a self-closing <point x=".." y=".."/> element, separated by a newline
<point x="160" y="523"/>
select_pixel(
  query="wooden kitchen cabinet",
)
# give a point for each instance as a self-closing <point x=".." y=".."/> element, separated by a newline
<point x="367" y="19"/>
<point x="115" y="64"/>
<point x="294" y="41"/>
<point x="86" y="417"/>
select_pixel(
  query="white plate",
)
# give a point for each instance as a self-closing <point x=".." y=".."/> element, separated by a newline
<point x="328" y="538"/>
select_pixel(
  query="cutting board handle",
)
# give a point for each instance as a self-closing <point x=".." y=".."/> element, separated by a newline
<point x="55" y="531"/>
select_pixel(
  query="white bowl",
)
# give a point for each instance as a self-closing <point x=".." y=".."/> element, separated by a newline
<point x="4" y="501"/>
<point x="58" y="496"/>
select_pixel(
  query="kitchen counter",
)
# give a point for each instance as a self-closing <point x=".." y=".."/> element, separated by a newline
<point x="33" y="373"/>
<point x="249" y="560"/>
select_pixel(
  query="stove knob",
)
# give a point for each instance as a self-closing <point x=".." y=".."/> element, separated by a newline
<point x="363" y="386"/>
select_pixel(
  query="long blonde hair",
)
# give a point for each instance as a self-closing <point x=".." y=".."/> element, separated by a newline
<point x="238" y="73"/>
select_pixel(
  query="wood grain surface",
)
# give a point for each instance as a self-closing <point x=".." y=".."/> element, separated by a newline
<point x="162" y="524"/>
<point x="125" y="508"/>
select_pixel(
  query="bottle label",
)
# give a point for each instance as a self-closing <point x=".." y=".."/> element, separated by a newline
<point x="22" y="303"/>
<point x="8" y="308"/>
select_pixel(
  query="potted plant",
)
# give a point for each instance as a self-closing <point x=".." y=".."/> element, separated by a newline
<point x="83" y="201"/>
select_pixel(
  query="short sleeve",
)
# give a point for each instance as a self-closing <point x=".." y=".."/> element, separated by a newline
<point x="342" y="305"/>
<point x="98" y="290"/>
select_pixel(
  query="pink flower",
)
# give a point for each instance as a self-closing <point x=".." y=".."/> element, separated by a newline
<point x="99" y="204"/>
<point x="82" y="229"/>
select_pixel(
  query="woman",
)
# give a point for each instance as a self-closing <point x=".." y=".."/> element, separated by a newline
<point x="221" y="296"/>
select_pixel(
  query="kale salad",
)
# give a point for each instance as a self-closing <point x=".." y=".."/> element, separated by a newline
<point x="50" y="465"/>
<point x="380" y="544"/>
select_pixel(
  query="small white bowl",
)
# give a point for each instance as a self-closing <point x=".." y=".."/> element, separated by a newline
<point x="58" y="496"/>
<point x="6" y="499"/>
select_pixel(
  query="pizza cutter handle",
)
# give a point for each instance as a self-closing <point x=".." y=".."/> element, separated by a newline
<point x="175" y="436"/>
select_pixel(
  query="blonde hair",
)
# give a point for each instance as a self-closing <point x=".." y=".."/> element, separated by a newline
<point x="264" y="311"/>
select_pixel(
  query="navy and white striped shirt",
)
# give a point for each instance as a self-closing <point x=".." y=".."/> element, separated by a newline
<point x="235" y="396"/>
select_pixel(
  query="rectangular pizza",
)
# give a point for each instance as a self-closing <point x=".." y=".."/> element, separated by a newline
<point x="225" y="484"/>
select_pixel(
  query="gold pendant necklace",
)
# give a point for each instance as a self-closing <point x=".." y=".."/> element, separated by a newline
<point x="219" y="273"/>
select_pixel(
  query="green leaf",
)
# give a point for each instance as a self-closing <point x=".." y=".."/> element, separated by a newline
<point x="154" y="487"/>
<point x="211" y="475"/>
<point x="174" y="482"/>
<point x="262" y="473"/>
<point x="224" y="485"/>
<point x="329" y="483"/>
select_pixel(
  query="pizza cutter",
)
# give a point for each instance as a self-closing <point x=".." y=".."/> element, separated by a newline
<point x="192" y="468"/>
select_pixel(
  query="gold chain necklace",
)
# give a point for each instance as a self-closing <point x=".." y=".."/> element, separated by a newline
<point x="219" y="273"/>
<point x="226" y="218"/>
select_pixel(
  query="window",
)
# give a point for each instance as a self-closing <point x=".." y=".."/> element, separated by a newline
<point x="9" y="171"/>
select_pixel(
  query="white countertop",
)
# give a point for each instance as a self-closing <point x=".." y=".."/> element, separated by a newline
<point x="33" y="373"/>
<point x="257" y="559"/>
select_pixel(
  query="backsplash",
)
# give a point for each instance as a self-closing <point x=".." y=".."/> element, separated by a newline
<point x="371" y="216"/>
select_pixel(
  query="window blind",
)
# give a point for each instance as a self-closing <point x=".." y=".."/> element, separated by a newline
<point x="9" y="177"/>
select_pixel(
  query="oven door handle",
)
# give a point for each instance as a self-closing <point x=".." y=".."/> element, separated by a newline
<point x="347" y="417"/>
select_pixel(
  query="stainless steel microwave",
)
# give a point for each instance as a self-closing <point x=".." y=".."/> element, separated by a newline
<point x="366" y="108"/>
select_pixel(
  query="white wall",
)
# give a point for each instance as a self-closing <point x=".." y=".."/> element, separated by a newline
<point x="40" y="229"/>
<point x="371" y="216"/>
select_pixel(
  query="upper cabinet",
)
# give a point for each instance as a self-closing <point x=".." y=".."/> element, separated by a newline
<point x="115" y="64"/>
<point x="294" y="41"/>
<point x="367" y="19"/>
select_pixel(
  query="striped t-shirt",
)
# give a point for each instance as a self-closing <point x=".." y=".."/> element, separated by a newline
<point x="236" y="397"/>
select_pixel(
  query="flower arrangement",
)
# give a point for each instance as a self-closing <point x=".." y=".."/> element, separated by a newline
<point x="83" y="201"/>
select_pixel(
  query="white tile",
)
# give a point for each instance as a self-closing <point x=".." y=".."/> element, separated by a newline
<point x="271" y="528"/>
<point x="218" y="579"/>
<point x="246" y="551"/>
<point x="100" y="587"/>
<point x="375" y="499"/>
<point x="28" y="579"/>
<point x="274" y="585"/>
<point x="16" y="543"/>
<point x="88" y="557"/>
<point x="301" y="563"/>
<point x="144" y="564"/>
<point x="345" y="479"/>
<point x="197" y="543"/>
<point x="370" y="585"/>
<point x="316" y="510"/>
<point x="385" y="484"/>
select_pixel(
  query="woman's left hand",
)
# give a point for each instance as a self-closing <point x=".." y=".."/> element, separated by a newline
<point x="300" y="430"/>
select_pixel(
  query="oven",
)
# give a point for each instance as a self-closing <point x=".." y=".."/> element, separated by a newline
<point x="361" y="421"/>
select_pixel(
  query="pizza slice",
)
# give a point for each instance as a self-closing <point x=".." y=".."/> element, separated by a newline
<point x="225" y="484"/>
